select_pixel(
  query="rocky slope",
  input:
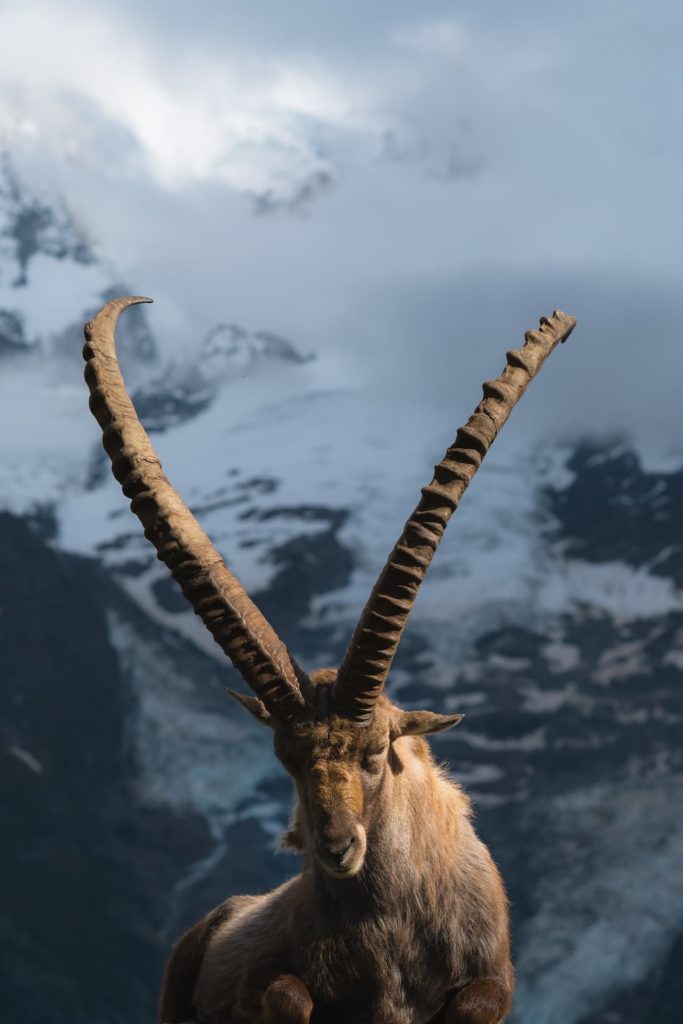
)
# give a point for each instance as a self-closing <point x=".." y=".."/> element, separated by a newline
<point x="135" y="795"/>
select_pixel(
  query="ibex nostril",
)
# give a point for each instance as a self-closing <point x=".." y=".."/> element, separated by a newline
<point x="337" y="851"/>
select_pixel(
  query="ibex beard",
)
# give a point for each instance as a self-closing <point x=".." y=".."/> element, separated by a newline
<point x="399" y="915"/>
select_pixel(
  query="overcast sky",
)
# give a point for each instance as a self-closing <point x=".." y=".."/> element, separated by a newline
<point x="384" y="182"/>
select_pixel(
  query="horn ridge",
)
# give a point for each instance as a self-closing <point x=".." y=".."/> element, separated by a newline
<point x="216" y="595"/>
<point x="374" y="642"/>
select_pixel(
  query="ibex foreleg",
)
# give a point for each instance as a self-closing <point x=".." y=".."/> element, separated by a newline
<point x="484" y="1001"/>
<point x="286" y="1001"/>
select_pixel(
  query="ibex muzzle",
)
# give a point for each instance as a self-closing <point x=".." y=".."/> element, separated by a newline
<point x="336" y="808"/>
<point x="333" y="806"/>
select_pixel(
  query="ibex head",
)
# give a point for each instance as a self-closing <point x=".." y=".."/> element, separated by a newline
<point x="335" y="732"/>
<point x="342" y="770"/>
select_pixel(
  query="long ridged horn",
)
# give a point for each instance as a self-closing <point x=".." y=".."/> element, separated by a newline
<point x="373" y="645"/>
<point x="216" y="595"/>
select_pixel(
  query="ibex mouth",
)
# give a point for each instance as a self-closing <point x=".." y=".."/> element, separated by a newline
<point x="341" y="872"/>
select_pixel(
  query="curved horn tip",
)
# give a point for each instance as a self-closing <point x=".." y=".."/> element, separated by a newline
<point x="118" y="305"/>
<point x="129" y="300"/>
<point x="111" y="310"/>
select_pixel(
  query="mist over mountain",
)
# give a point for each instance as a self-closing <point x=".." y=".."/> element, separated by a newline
<point x="343" y="222"/>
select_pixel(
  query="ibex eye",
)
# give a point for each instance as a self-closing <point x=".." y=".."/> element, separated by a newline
<point x="372" y="759"/>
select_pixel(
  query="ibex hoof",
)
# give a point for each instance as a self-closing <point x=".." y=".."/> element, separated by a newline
<point x="287" y="1001"/>
<point x="485" y="1001"/>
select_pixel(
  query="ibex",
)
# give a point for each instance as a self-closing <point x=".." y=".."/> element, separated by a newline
<point x="399" y="915"/>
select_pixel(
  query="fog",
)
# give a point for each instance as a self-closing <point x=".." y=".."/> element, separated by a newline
<point x="401" y="188"/>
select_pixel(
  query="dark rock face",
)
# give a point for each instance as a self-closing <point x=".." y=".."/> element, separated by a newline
<point x="85" y="867"/>
<point x="12" y="333"/>
<point x="307" y="566"/>
<point x="616" y="511"/>
<point x="656" y="1000"/>
<point x="33" y="225"/>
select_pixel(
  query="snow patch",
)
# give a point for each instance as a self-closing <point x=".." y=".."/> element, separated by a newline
<point x="180" y="742"/>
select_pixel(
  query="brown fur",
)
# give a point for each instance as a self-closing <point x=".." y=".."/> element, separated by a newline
<point x="398" y="912"/>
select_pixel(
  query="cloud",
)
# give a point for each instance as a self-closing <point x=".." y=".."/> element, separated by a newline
<point x="434" y="181"/>
<point x="244" y="122"/>
<point x="261" y="120"/>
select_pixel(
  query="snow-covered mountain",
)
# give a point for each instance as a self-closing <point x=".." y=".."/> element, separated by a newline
<point x="137" y="795"/>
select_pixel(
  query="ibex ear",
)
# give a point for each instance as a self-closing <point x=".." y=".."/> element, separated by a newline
<point x="419" y="723"/>
<point x="255" y="707"/>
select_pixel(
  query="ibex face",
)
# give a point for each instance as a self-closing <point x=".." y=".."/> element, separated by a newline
<point x="342" y="771"/>
<point x="339" y="771"/>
